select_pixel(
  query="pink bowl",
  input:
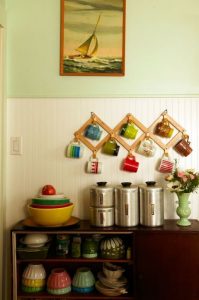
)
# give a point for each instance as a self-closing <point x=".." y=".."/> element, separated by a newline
<point x="58" y="279"/>
<point x="50" y="206"/>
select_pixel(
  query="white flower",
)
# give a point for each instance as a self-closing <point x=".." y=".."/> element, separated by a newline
<point x="174" y="186"/>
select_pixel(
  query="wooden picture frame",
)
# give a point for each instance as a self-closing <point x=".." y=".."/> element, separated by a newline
<point x="92" y="41"/>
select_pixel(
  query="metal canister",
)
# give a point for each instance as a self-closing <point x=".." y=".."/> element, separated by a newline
<point x="126" y="205"/>
<point x="101" y="195"/>
<point x="151" y="199"/>
<point x="101" y="205"/>
<point x="102" y="217"/>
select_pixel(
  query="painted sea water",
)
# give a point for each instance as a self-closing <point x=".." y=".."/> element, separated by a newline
<point x="93" y="65"/>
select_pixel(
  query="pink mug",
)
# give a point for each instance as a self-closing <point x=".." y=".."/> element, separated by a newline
<point x="130" y="164"/>
<point x="166" y="164"/>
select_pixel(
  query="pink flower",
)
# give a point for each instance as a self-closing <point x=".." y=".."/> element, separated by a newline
<point x="184" y="179"/>
<point x="181" y="174"/>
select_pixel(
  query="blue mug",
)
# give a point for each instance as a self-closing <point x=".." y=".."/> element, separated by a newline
<point x="93" y="132"/>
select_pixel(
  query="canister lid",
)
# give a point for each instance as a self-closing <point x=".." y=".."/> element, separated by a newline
<point x="127" y="186"/>
<point x="150" y="186"/>
<point x="101" y="186"/>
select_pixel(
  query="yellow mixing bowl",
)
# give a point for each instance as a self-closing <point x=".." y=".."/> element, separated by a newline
<point x="51" y="216"/>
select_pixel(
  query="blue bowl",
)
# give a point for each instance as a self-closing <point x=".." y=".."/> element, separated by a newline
<point x="83" y="290"/>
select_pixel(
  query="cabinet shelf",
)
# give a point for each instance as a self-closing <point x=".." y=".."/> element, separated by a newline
<point x="75" y="260"/>
<point x="74" y="296"/>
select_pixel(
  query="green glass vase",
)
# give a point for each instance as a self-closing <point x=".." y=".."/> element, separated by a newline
<point x="183" y="210"/>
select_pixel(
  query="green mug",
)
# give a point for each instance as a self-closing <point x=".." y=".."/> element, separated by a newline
<point x="111" y="147"/>
<point x="129" y="131"/>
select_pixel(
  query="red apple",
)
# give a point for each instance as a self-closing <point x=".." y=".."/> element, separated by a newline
<point x="48" y="190"/>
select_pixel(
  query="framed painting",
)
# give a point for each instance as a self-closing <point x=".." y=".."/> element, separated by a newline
<point x="92" y="37"/>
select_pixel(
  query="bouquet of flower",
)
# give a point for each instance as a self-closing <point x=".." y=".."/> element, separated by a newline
<point x="186" y="181"/>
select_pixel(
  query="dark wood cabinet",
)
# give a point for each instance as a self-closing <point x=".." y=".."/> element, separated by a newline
<point x="167" y="262"/>
<point x="164" y="263"/>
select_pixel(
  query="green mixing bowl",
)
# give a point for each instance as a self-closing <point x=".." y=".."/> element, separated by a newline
<point x="50" y="202"/>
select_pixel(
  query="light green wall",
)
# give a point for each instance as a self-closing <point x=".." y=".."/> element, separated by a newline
<point x="2" y="12"/>
<point x="162" y="51"/>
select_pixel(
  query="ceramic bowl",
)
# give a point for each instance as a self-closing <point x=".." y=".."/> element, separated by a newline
<point x="50" y="206"/>
<point x="83" y="278"/>
<point x="41" y="201"/>
<point x="111" y="271"/>
<point x="54" y="197"/>
<point x="50" y="217"/>
<point x="35" y="239"/>
<point x="33" y="282"/>
<point x="59" y="291"/>
<point x="30" y="289"/>
<point x="58" y="279"/>
<point x="34" y="271"/>
<point x="112" y="248"/>
<point x="83" y="290"/>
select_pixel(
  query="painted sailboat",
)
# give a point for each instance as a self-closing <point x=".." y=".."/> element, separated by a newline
<point x="88" y="49"/>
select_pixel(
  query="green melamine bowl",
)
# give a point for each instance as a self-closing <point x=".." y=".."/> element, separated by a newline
<point x="49" y="201"/>
<point x="28" y="289"/>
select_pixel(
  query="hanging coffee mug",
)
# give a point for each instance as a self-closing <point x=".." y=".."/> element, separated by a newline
<point x="111" y="147"/>
<point x="147" y="147"/>
<point x="130" y="164"/>
<point x="93" y="132"/>
<point x="166" y="164"/>
<point x="129" y="131"/>
<point x="164" y="129"/>
<point x="75" y="149"/>
<point x="183" y="146"/>
<point x="94" y="166"/>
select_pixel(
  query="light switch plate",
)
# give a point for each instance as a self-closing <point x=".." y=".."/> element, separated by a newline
<point x="16" y="145"/>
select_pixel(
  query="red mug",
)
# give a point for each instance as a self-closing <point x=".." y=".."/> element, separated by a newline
<point x="130" y="164"/>
<point x="183" y="147"/>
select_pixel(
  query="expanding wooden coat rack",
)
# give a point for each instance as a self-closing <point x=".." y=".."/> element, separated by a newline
<point x="113" y="133"/>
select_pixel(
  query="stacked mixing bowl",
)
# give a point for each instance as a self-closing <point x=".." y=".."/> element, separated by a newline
<point x="50" y="210"/>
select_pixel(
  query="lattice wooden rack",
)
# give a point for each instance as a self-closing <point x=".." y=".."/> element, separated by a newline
<point x="113" y="133"/>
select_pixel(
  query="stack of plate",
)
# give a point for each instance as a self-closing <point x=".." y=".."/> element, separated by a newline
<point x="111" y="285"/>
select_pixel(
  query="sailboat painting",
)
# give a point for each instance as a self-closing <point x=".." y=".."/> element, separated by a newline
<point x="92" y="37"/>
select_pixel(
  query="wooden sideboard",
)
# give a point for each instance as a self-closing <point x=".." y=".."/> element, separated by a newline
<point x="164" y="262"/>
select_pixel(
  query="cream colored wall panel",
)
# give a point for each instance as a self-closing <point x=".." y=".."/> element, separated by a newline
<point x="47" y="126"/>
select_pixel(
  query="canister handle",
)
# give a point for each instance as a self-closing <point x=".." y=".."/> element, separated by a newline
<point x="152" y="209"/>
<point x="101" y="198"/>
<point x="101" y="218"/>
<point x="126" y="208"/>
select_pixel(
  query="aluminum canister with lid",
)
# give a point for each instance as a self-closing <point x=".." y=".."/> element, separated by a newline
<point x="101" y="195"/>
<point x="126" y="205"/>
<point x="102" y="217"/>
<point x="151" y="199"/>
<point x="101" y="205"/>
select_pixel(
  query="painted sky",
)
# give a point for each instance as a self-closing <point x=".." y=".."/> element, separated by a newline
<point x="80" y="19"/>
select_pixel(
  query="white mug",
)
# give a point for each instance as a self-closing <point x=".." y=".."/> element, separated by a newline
<point x="147" y="147"/>
<point x="94" y="166"/>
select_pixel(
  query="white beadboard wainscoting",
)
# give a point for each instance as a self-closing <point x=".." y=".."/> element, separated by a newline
<point x="47" y="126"/>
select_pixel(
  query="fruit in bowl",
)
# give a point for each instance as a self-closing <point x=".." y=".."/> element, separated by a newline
<point x="52" y="216"/>
<point x="48" y="189"/>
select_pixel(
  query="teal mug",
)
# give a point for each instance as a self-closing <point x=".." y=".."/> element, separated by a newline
<point x="111" y="147"/>
<point x="129" y="131"/>
<point x="93" y="132"/>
